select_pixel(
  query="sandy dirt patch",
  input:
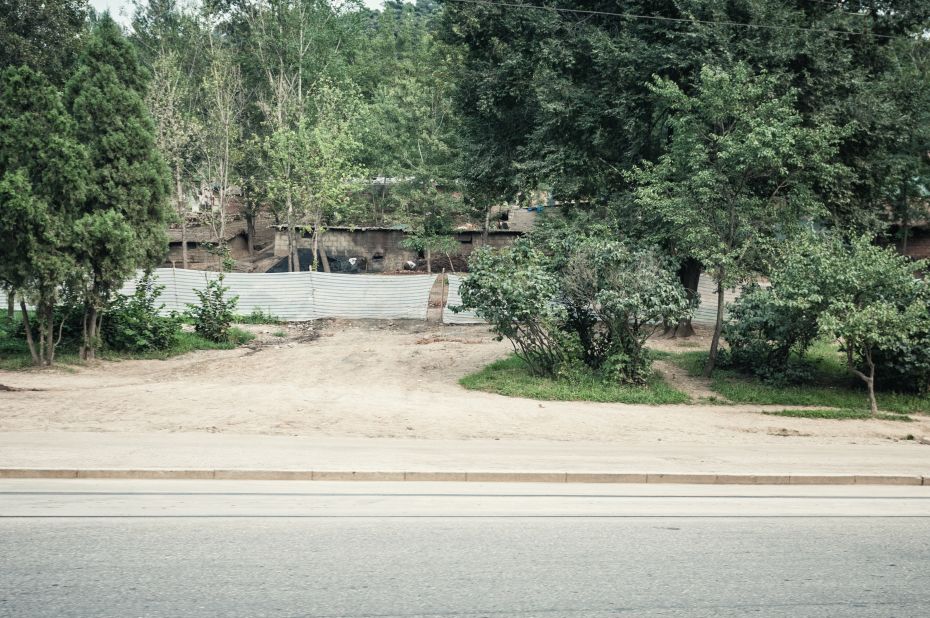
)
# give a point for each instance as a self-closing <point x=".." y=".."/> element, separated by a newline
<point x="375" y="379"/>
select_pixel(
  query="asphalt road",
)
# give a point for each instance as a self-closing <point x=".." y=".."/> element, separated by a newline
<point x="227" y="548"/>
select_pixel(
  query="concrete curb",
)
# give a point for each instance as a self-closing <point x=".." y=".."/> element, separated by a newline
<point x="474" y="477"/>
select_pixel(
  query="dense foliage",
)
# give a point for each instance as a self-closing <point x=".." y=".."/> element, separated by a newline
<point x="707" y="131"/>
<point x="515" y="292"/>
<point x="863" y="296"/>
<point x="43" y="182"/>
<point x="738" y="172"/>
<point x="134" y="323"/>
<point x="593" y="311"/>
<point x="122" y="223"/>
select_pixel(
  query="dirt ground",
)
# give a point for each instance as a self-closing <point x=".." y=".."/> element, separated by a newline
<point x="379" y="379"/>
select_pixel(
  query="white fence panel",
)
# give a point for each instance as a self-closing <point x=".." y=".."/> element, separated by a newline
<point x="304" y="295"/>
<point x="706" y="312"/>
<point x="310" y="296"/>
<point x="453" y="300"/>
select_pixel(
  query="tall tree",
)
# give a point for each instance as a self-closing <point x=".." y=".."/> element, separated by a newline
<point x="289" y="50"/>
<point x="170" y="39"/>
<point x="738" y="171"/>
<point x="43" y="174"/>
<point x="122" y="224"/>
<point x="562" y="98"/>
<point x="224" y="102"/>
<point x="42" y="35"/>
<point x="410" y="140"/>
<point x="313" y="166"/>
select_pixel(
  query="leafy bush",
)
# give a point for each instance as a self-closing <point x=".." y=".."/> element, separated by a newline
<point x="616" y="298"/>
<point x="133" y="324"/>
<point x="514" y="292"/>
<point x="213" y="316"/>
<point x="768" y="338"/>
<point x="905" y="363"/>
<point x="862" y="296"/>
<point x="881" y="308"/>
<point x="592" y="311"/>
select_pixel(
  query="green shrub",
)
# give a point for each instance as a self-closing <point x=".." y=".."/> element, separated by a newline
<point x="864" y="297"/>
<point x="595" y="309"/>
<point x="617" y="296"/>
<point x="905" y="364"/>
<point x="213" y="316"/>
<point x="133" y="324"/>
<point x="768" y="338"/>
<point x="514" y="292"/>
<point x="258" y="317"/>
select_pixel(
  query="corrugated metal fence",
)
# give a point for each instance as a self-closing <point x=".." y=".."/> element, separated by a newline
<point x="304" y="295"/>
<point x="453" y="299"/>
<point x="706" y="312"/>
<point x="310" y="295"/>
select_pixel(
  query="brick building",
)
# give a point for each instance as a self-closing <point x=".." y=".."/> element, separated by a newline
<point x="380" y="249"/>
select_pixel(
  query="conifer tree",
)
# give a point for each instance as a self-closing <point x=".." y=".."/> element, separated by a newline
<point x="122" y="224"/>
<point x="42" y="184"/>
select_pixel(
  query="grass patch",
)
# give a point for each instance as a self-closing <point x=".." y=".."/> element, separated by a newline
<point x="511" y="376"/>
<point x="14" y="353"/>
<point x="279" y="333"/>
<point x="185" y="342"/>
<point x="831" y="386"/>
<point x="840" y="415"/>
<point x="257" y="317"/>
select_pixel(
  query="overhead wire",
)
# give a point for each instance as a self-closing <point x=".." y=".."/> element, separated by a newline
<point x="663" y="18"/>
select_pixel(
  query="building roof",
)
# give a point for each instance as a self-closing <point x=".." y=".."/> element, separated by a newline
<point x="204" y="233"/>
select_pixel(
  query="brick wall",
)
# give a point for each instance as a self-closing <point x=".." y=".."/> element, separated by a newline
<point x="381" y="249"/>
<point x="918" y="246"/>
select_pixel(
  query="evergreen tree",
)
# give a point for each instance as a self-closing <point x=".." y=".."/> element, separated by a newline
<point x="42" y="35"/>
<point x="42" y="184"/>
<point x="122" y="223"/>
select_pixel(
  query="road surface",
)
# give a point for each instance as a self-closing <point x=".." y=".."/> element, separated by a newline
<point x="229" y="548"/>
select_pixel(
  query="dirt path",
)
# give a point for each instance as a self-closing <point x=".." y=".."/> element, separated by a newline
<point x="696" y="388"/>
<point x="377" y="379"/>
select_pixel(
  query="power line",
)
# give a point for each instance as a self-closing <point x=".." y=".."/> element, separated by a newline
<point x="662" y="18"/>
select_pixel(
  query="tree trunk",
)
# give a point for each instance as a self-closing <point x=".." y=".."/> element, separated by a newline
<point x="250" y="232"/>
<point x="184" y="260"/>
<point x="487" y="226"/>
<point x="873" y="403"/>
<point x="429" y="260"/>
<point x="28" y="327"/>
<point x="868" y="379"/>
<point x="718" y="326"/>
<point x="316" y="249"/>
<point x="182" y="213"/>
<point x="90" y="333"/>
<point x="10" y="304"/>
<point x="49" y="328"/>
<point x="689" y="274"/>
<point x="296" y="251"/>
<point x="318" y="252"/>
<point x="292" y="264"/>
